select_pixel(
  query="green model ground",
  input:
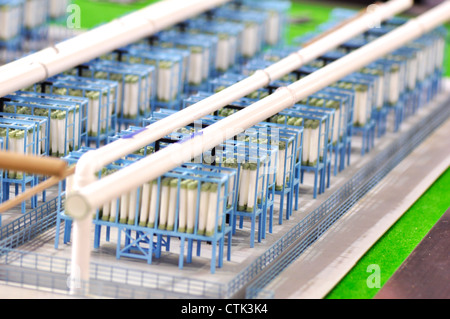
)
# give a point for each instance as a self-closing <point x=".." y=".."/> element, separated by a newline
<point x="395" y="246"/>
<point x="397" y="243"/>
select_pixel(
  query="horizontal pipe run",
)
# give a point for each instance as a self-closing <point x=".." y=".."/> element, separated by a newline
<point x="99" y="41"/>
<point x="42" y="186"/>
<point x="258" y="80"/>
<point x="153" y="166"/>
<point x="32" y="164"/>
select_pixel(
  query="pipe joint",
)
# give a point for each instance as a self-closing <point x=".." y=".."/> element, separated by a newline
<point x="86" y="168"/>
<point x="288" y="91"/>
<point x="266" y="74"/>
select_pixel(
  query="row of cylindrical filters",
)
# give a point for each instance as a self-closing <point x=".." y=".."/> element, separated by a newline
<point x="404" y="71"/>
<point x="212" y="42"/>
<point x="193" y="199"/>
<point x="163" y="77"/>
<point x="43" y="124"/>
<point x="28" y="25"/>
<point x="383" y="76"/>
<point x="93" y="101"/>
<point x="329" y="128"/>
<point x="276" y="146"/>
<point x="19" y="15"/>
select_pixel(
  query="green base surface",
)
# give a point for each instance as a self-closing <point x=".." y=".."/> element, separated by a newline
<point x="397" y="243"/>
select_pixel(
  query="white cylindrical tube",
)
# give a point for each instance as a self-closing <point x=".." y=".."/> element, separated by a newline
<point x="183" y="205"/>
<point x="212" y="210"/>
<point x="253" y="178"/>
<point x="314" y="143"/>
<point x="132" y="206"/>
<point x="281" y="167"/>
<point x="145" y="204"/>
<point x="172" y="210"/>
<point x="134" y="97"/>
<point x="124" y="208"/>
<point x="394" y="90"/>
<point x="54" y="133"/>
<point x="164" y="203"/>
<point x="70" y="129"/>
<point x="272" y="28"/>
<point x="113" y="211"/>
<point x="243" y="187"/>
<point x="153" y="204"/>
<point x="62" y="130"/>
<point x="196" y="67"/>
<point x="306" y="142"/>
<point x="192" y="191"/>
<point x="362" y="104"/>
<point x="77" y="129"/>
<point x="203" y="208"/>
<point x="223" y="53"/>
<point x="94" y="109"/>
<point x="106" y="209"/>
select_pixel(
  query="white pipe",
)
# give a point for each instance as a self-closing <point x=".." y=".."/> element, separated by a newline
<point x="151" y="167"/>
<point x="81" y="209"/>
<point x="101" y="40"/>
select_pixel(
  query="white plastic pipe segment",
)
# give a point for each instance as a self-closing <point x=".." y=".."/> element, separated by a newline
<point x="96" y="194"/>
<point x="99" y="41"/>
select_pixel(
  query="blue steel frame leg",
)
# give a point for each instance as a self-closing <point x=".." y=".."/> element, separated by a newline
<point x="97" y="233"/>
<point x="199" y="247"/>
<point x="119" y="239"/>
<point x="328" y="174"/>
<point x="252" y="231"/>
<point x="259" y="216"/>
<point x="272" y="196"/>
<point x="189" y="253"/>
<point x="58" y="224"/>
<point x="289" y="205"/>
<point x="221" y="248"/>
<point x="229" y="247"/>
<point x="150" y="248"/>
<point x="280" y="213"/>
<point x="67" y="230"/>
<point x="158" y="246"/>
<point x="181" y="257"/>
<point x="213" y="256"/>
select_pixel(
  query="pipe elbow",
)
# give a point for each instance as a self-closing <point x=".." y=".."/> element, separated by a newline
<point x="86" y="169"/>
